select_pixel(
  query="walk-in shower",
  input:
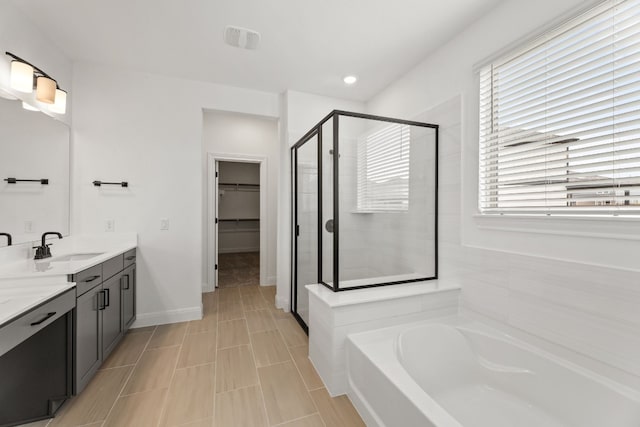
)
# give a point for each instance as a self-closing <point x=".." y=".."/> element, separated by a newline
<point x="364" y="204"/>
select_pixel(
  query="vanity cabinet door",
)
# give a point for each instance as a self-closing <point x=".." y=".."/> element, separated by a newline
<point x="128" y="296"/>
<point x="88" y="342"/>
<point x="111" y="315"/>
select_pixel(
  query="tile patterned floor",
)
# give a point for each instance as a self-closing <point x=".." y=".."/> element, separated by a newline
<point x="244" y="364"/>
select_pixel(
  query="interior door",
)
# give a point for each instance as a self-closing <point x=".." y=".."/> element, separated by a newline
<point x="305" y="225"/>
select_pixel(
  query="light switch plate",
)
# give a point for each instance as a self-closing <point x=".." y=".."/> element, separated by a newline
<point x="164" y="224"/>
<point x="109" y="225"/>
<point x="28" y="226"/>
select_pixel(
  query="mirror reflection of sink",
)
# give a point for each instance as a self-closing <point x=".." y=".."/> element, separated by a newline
<point x="73" y="257"/>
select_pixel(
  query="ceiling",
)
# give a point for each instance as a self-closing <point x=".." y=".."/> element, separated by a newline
<point x="306" y="45"/>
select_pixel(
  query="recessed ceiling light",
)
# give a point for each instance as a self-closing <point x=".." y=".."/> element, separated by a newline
<point x="349" y="80"/>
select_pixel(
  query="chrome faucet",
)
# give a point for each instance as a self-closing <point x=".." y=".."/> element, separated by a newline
<point x="43" y="250"/>
<point x="8" y="236"/>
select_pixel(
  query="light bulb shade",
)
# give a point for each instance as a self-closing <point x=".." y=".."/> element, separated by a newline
<point x="21" y="76"/>
<point x="60" y="106"/>
<point x="46" y="90"/>
<point x="28" y="107"/>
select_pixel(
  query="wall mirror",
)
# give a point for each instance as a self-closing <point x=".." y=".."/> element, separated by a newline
<point x="34" y="173"/>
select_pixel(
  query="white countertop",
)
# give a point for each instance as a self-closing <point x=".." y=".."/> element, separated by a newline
<point x="26" y="283"/>
<point x="24" y="295"/>
<point x="107" y="247"/>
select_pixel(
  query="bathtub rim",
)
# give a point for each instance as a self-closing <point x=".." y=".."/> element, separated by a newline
<point x="387" y="339"/>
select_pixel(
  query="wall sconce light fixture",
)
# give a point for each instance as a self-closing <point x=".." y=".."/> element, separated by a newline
<point x="26" y="76"/>
<point x="21" y="76"/>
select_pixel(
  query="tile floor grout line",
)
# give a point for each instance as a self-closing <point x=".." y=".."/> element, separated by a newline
<point x="115" y="401"/>
<point x="163" y="409"/>
<point x="264" y="403"/>
<point x="298" y="368"/>
<point x="215" y="367"/>
<point x="301" y="377"/>
<point x="299" y="418"/>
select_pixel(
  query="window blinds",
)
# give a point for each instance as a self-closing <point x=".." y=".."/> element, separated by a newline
<point x="383" y="169"/>
<point x="560" y="119"/>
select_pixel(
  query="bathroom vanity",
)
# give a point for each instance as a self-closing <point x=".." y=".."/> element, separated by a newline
<point x="60" y="318"/>
<point x="105" y="309"/>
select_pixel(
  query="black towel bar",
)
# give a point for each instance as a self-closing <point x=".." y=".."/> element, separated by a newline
<point x="101" y="183"/>
<point x="42" y="181"/>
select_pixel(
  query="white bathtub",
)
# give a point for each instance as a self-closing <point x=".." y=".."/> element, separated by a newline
<point x="455" y="372"/>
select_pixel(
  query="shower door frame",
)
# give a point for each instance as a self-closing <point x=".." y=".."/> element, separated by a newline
<point x="317" y="131"/>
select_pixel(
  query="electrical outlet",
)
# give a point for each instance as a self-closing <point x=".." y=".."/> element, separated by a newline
<point x="109" y="225"/>
<point x="28" y="226"/>
<point x="164" y="224"/>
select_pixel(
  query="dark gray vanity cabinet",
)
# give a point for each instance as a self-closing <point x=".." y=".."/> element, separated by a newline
<point x="128" y="296"/>
<point x="87" y="343"/>
<point x="105" y="309"/>
<point x="111" y="315"/>
<point x="36" y="361"/>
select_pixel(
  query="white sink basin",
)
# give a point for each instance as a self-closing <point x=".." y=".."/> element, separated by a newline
<point x="72" y="257"/>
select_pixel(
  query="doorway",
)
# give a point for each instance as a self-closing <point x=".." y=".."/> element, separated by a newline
<point x="237" y="214"/>
<point x="238" y="201"/>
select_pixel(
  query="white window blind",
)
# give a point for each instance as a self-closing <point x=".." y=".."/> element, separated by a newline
<point x="560" y="119"/>
<point x="383" y="169"/>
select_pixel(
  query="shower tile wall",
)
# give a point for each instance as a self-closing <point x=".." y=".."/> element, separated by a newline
<point x="585" y="312"/>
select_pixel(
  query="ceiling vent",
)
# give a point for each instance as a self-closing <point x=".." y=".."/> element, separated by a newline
<point x="241" y="37"/>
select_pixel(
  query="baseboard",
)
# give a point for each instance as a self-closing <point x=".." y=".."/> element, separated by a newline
<point x="169" y="316"/>
<point x="271" y="281"/>
<point x="282" y="303"/>
<point x="207" y="288"/>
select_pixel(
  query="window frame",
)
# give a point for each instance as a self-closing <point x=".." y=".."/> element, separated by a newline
<point x="564" y="212"/>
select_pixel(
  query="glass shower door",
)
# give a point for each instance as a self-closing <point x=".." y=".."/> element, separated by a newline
<point x="305" y="224"/>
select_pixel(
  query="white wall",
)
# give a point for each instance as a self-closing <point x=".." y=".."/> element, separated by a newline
<point x="564" y="281"/>
<point x="147" y="130"/>
<point x="249" y="135"/>
<point x="299" y="112"/>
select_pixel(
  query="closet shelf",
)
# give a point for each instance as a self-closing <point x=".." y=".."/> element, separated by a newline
<point x="239" y="219"/>
<point x="238" y="187"/>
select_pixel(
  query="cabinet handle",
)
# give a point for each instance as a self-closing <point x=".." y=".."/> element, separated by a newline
<point x="127" y="287"/>
<point x="103" y="306"/>
<point x="107" y="298"/>
<point x="49" y="315"/>
<point x="129" y="258"/>
<point x="91" y="279"/>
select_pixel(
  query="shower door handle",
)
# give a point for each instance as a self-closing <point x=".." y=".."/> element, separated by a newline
<point x="329" y="226"/>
